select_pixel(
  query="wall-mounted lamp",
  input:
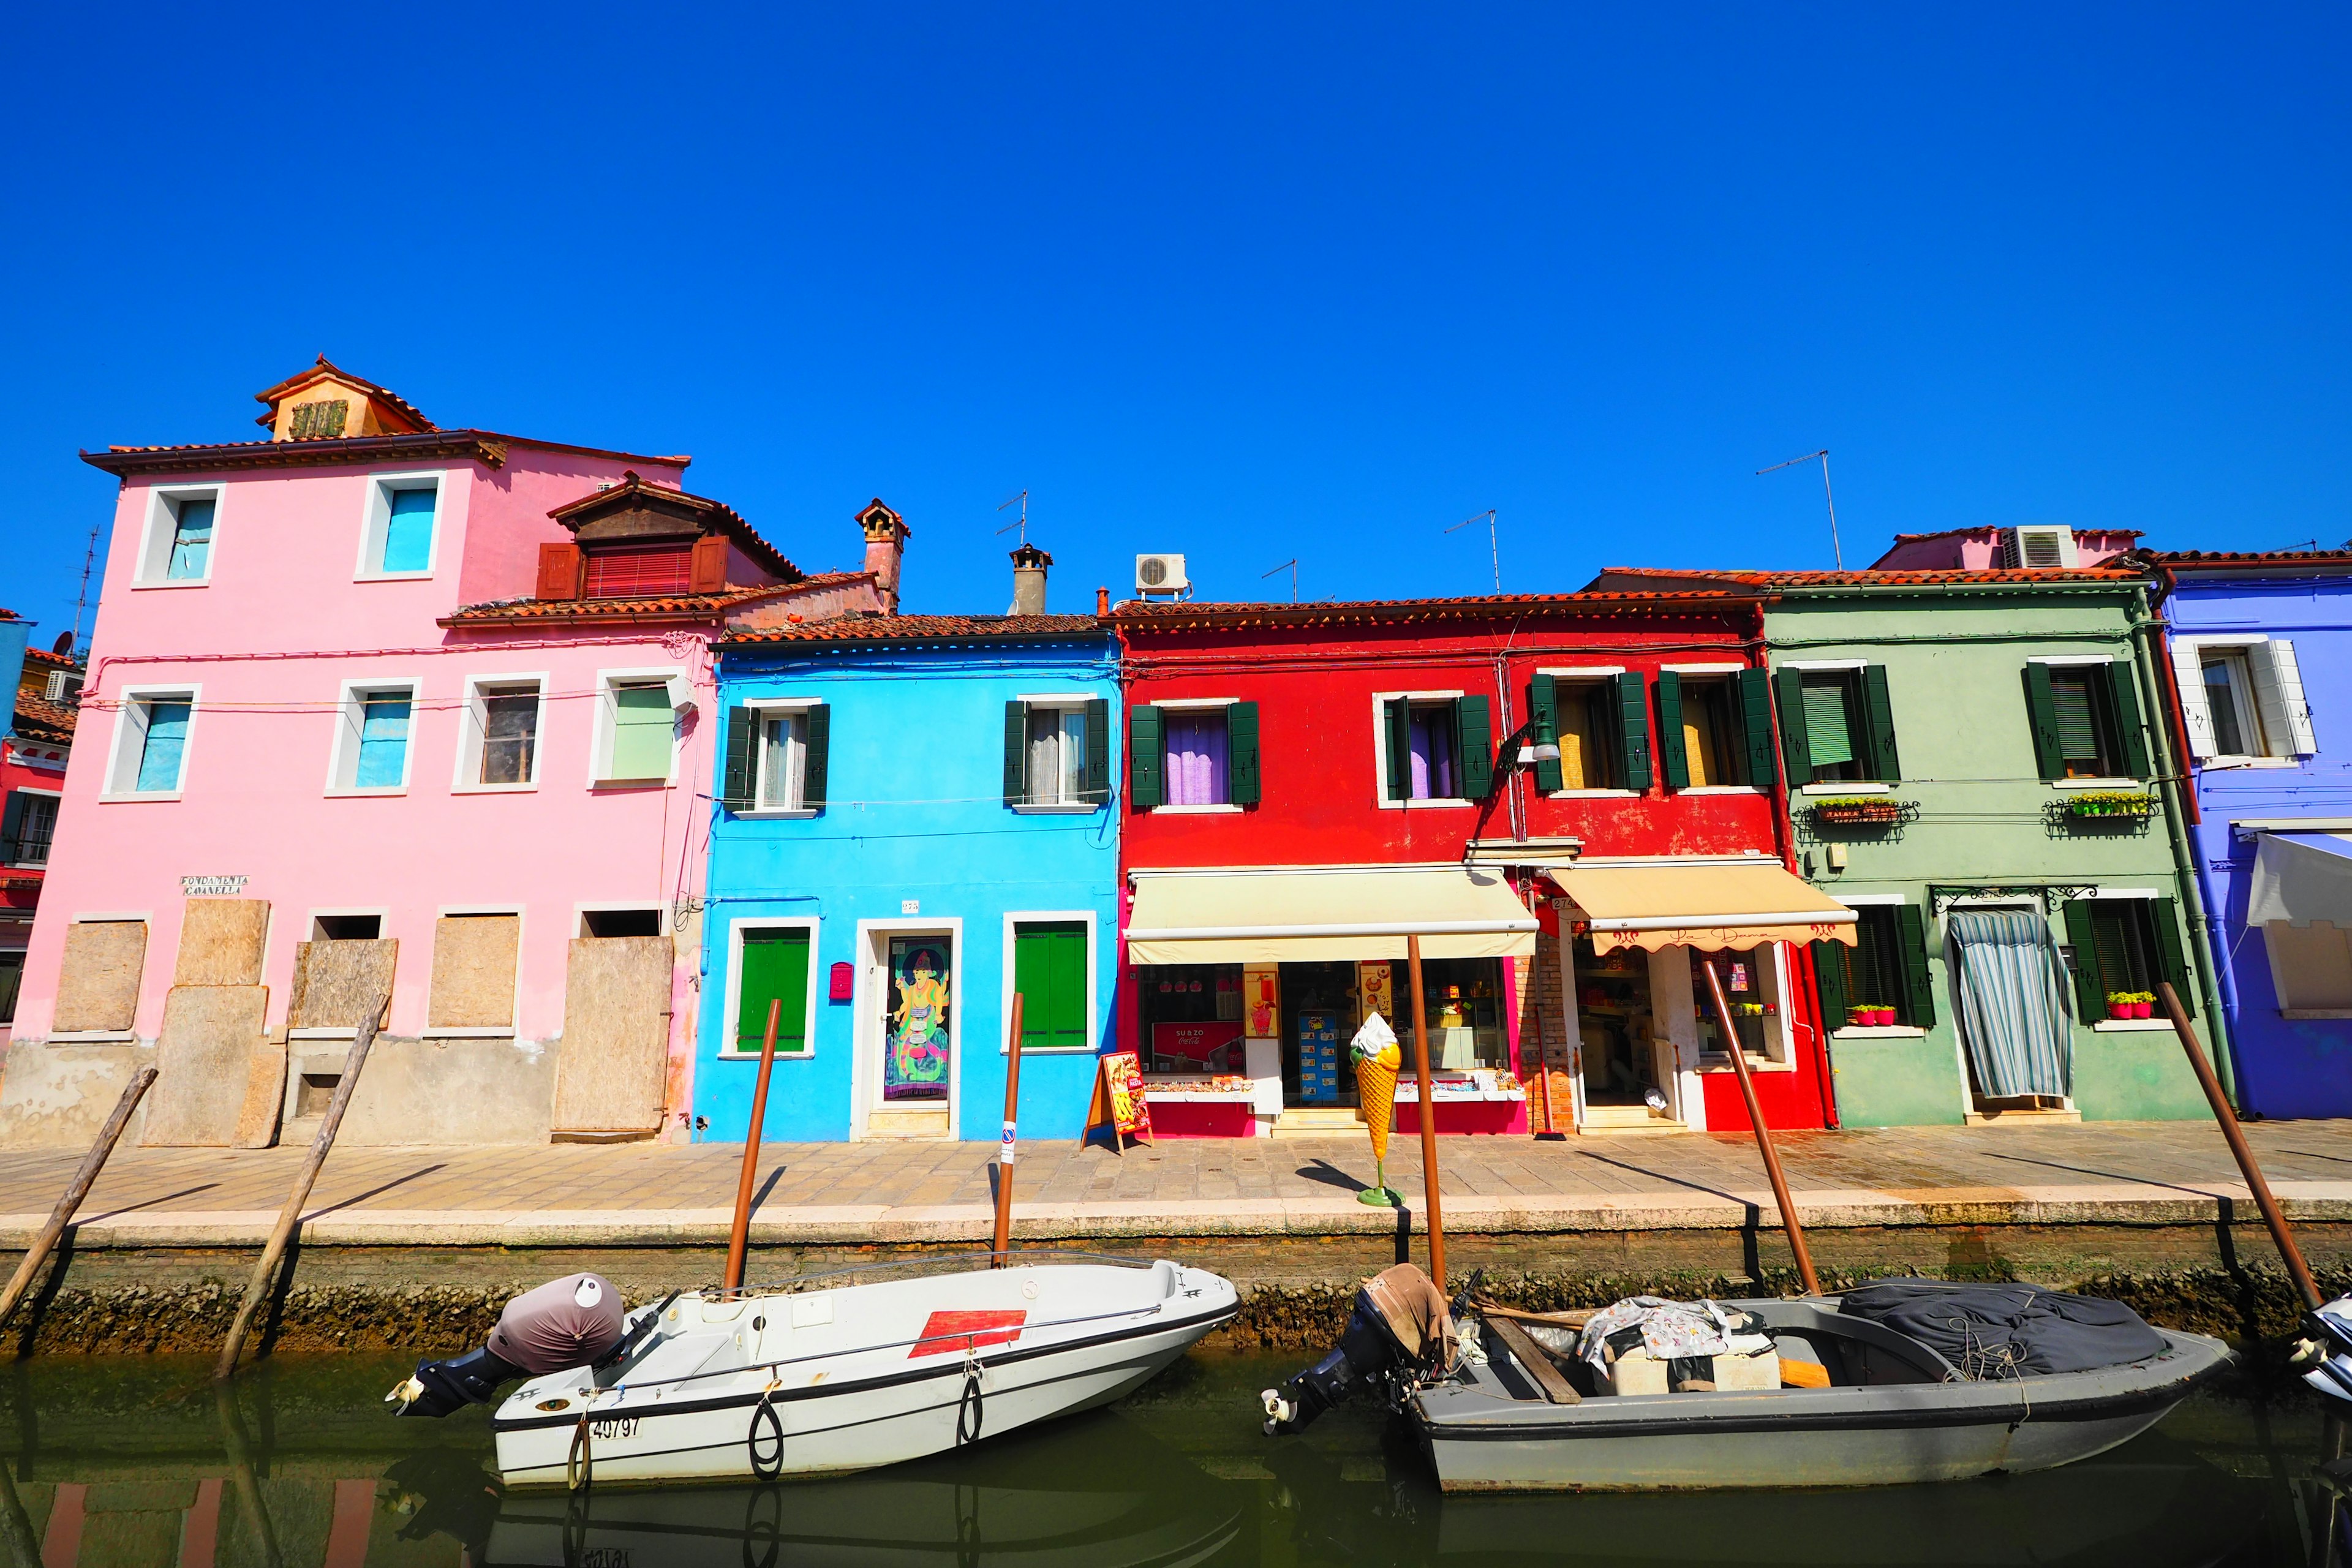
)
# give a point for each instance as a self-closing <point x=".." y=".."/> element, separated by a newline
<point x="1541" y="745"/>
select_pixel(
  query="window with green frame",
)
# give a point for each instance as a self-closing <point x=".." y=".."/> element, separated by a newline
<point x="1049" y="972"/>
<point x="773" y="967"/>
<point x="1887" y="967"/>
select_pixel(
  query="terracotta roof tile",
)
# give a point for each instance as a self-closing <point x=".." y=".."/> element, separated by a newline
<point x="1996" y="527"/>
<point x="273" y="395"/>
<point x="728" y="519"/>
<point x="487" y="446"/>
<point x="2247" y="557"/>
<point x="651" y="607"/>
<point x="1875" y="578"/>
<point x="921" y="628"/>
<point x="1142" y="616"/>
<point x="42" y="656"/>
<point x="39" y="719"/>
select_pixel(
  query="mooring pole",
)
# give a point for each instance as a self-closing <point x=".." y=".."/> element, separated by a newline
<point x="739" y="1239"/>
<point x="1428" y="1117"/>
<point x="1763" y="1139"/>
<point x="1004" y="1150"/>
<point x="84" y="1179"/>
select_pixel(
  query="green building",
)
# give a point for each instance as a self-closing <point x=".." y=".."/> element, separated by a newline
<point x="1974" y="762"/>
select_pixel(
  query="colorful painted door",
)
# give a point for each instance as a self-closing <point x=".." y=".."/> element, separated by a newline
<point x="915" y="1026"/>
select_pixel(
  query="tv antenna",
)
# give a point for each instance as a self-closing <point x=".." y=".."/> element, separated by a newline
<point x="1493" y="548"/>
<point x="81" y="599"/>
<point x="1291" y="566"/>
<point x="1836" y="553"/>
<point x="1021" y="522"/>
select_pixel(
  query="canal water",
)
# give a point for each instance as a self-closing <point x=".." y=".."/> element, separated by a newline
<point x="120" y="1462"/>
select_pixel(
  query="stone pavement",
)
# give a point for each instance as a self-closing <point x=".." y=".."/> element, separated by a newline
<point x="910" y="1193"/>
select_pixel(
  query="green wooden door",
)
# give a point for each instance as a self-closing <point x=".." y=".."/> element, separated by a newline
<point x="774" y="969"/>
<point x="1049" y="972"/>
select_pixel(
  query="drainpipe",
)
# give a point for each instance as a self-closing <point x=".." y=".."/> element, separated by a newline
<point x="1806" y="996"/>
<point x="2201" y="931"/>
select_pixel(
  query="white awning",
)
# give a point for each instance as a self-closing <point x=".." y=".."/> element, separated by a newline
<point x="1709" y="905"/>
<point x="2302" y="877"/>
<point x="1299" y="914"/>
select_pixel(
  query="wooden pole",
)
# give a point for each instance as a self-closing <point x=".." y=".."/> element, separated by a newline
<point x="1004" y="1150"/>
<point x="1763" y="1139"/>
<point x="1428" y="1117"/>
<point x="738" y="1240"/>
<point x="84" y="1179"/>
<point x="265" y="1272"/>
<point x="2298" y="1269"/>
<point x="249" y="1500"/>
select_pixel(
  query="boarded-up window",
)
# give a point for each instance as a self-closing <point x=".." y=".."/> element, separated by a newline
<point x="221" y="942"/>
<point x="98" y="986"/>
<point x="613" y="1069"/>
<point x="473" y="971"/>
<point x="335" y="980"/>
<point x="1049" y="972"/>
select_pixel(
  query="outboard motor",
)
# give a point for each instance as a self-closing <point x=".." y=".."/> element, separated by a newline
<point x="1398" y="1330"/>
<point x="2325" y="1357"/>
<point x="572" y="1322"/>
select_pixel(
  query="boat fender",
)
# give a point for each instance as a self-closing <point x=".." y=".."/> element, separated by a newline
<point x="772" y="1466"/>
<point x="971" y="1406"/>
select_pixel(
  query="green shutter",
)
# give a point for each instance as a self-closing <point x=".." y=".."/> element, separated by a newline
<point x="2171" y="960"/>
<point x="2123" y="691"/>
<point x="1829" y="981"/>
<point x="1793" y="741"/>
<point x="1016" y="752"/>
<point x="742" y="758"/>
<point x="642" y="727"/>
<point x="1095" y="778"/>
<point x="1241" y="753"/>
<point x="1878" y="725"/>
<point x="1543" y="704"/>
<point x="1049" y="972"/>
<point x="816" y="753"/>
<point x="1756" y="725"/>
<point x="1829" y="720"/>
<point x="1674" y="761"/>
<point x="2090" y="991"/>
<point x="1633" y="725"/>
<point x="2041" y="718"/>
<point x="1396" y="718"/>
<point x="1474" y="745"/>
<point x="774" y="968"/>
<point x="1918" y="978"/>
<point x="1147" y="759"/>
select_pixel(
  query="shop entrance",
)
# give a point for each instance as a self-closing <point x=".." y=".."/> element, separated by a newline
<point x="1618" y="1025"/>
<point x="1318" y="1018"/>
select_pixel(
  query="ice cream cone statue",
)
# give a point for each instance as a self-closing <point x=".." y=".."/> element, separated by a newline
<point x="1377" y="1059"/>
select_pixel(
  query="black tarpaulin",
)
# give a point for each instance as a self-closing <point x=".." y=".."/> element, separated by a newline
<point x="1998" y="1331"/>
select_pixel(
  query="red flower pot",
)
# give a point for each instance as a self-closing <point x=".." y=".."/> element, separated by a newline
<point x="2143" y="1009"/>
<point x="2119" y="1010"/>
<point x="1885" y="1018"/>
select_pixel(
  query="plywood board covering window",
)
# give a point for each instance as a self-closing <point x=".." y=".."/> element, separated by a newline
<point x="221" y="942"/>
<point x="98" y="986"/>
<point x="334" y="982"/>
<point x="203" y="1059"/>
<point x="473" y="971"/>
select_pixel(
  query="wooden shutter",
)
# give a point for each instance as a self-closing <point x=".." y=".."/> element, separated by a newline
<point x="2278" y="686"/>
<point x="775" y="966"/>
<point x="1242" y="787"/>
<point x="1918" y="978"/>
<point x="742" y="759"/>
<point x="1093" y="782"/>
<point x="1878" y="725"/>
<point x="2122" y="694"/>
<point x="816" y="752"/>
<point x="1543" y="704"/>
<point x="1794" y="755"/>
<point x="2171" y="958"/>
<point x="558" y="572"/>
<point x="1633" y="729"/>
<point x="1147" y="759"/>
<point x="1016" y="752"/>
<point x="2041" y="716"/>
<point x="1829" y="981"/>
<point x="1474" y="746"/>
<point x="706" y="571"/>
<point x="1396" y="721"/>
<point x="1673" y="757"/>
<point x="2196" y="707"/>
<point x="2090" y="987"/>
<point x="1049" y="972"/>
<point x="1755" y="687"/>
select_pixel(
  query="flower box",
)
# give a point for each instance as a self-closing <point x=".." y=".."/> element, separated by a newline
<point x="2127" y="805"/>
<point x="1864" y="811"/>
<point x="2121" y="1004"/>
<point x="1870" y="1017"/>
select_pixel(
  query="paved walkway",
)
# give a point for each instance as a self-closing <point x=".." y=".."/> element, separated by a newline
<point x="852" y="1193"/>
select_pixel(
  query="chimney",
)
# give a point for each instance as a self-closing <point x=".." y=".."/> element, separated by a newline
<point x="886" y="546"/>
<point x="1102" y="601"/>
<point x="1029" y="565"/>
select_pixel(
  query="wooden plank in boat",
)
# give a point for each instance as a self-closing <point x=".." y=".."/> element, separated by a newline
<point x="1537" y="1366"/>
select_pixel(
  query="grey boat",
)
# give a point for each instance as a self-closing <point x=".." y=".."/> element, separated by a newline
<point x="1895" y="1411"/>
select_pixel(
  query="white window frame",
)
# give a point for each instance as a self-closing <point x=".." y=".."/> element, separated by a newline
<point x="512" y="1028"/>
<point x="1587" y="672"/>
<point x="55" y="795"/>
<point x="344" y="756"/>
<point x="1014" y="921"/>
<point x="375" y="522"/>
<point x="730" y="1020"/>
<point x="581" y="910"/>
<point x="600" y="756"/>
<point x="163" y="523"/>
<point x="1705" y="672"/>
<point x="1196" y="705"/>
<point x="472" y="727"/>
<point x="1060" y="702"/>
<point x="762" y="710"/>
<point x="1381" y="700"/>
<point x="130" y="735"/>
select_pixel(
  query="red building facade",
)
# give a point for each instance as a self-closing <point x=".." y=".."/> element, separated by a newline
<point x="1305" y="782"/>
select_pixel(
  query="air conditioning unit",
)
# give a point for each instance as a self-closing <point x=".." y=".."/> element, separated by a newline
<point x="1158" y="575"/>
<point x="2042" y="548"/>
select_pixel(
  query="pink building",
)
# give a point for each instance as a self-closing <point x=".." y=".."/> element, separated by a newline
<point x="381" y="707"/>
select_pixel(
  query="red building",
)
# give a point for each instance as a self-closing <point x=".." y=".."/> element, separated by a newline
<point x="1306" y="783"/>
<point x="32" y="777"/>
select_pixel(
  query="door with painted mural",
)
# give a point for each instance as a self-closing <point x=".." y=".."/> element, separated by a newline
<point x="919" y="1010"/>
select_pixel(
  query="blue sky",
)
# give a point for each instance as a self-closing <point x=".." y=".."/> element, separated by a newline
<point x="1248" y="282"/>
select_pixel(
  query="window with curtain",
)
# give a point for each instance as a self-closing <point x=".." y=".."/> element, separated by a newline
<point x="382" y="758"/>
<point x="163" y="744"/>
<point x="192" y="541"/>
<point x="1195" y="747"/>
<point x="1429" y="750"/>
<point x="1589" y="738"/>
<point x="2230" y="699"/>
<point x="1057" y="755"/>
<point x="510" y="734"/>
<point x="642" y="727"/>
<point x="1714" y="744"/>
<point x="1833" y="726"/>
<point x="783" y="761"/>
<point x="408" y="530"/>
<point x="2086" y="731"/>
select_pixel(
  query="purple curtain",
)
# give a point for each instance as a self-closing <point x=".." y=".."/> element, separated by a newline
<point x="1433" y="754"/>
<point x="1196" y="758"/>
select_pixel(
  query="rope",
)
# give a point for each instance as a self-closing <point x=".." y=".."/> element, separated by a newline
<point x="580" y="1461"/>
<point x="973" y="1403"/>
<point x="766" y="1470"/>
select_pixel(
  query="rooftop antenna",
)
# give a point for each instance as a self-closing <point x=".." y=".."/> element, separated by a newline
<point x="1493" y="547"/>
<point x="1836" y="553"/>
<point x="81" y="599"/>
<point x="1293" y="564"/>
<point x="1021" y="522"/>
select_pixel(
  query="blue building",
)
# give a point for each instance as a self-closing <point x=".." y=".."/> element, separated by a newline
<point x="915" y="820"/>
<point x="2262" y="662"/>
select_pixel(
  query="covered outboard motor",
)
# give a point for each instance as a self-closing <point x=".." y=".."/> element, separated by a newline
<point x="570" y="1321"/>
<point x="1397" y="1329"/>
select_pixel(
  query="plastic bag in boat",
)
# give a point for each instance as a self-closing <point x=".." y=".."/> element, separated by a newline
<point x="1668" y="1332"/>
<point x="2003" y="1330"/>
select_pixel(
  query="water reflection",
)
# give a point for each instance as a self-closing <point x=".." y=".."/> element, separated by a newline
<point x="144" y="1462"/>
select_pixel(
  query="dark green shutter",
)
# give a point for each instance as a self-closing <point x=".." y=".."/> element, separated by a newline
<point x="1829" y="980"/>
<point x="774" y="969"/>
<point x="1756" y="725"/>
<point x="2171" y="961"/>
<point x="735" y="794"/>
<point x="1094" y="779"/>
<point x="2090" y="987"/>
<point x="2041" y="716"/>
<point x="1674" y="762"/>
<point x="1147" y="760"/>
<point x="1634" y="724"/>
<point x="12" y="825"/>
<point x="1016" y="752"/>
<point x="1794" y="755"/>
<point x="815" y="754"/>
<point x="2123" y="691"/>
<point x="1543" y="704"/>
<point x="1049" y="972"/>
<point x="1241" y="753"/>
<point x="1918" y="979"/>
<point x="1396" y="718"/>
<point x="1474" y="746"/>
<point x="1878" y="725"/>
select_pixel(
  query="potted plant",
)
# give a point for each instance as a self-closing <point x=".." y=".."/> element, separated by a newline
<point x="1870" y="1016"/>
<point x="2143" y="1003"/>
<point x="2111" y="803"/>
<point x="2131" y="1003"/>
<point x="1858" y="810"/>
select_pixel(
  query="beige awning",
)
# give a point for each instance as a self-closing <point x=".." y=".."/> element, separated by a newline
<point x="1292" y="915"/>
<point x="1711" y="906"/>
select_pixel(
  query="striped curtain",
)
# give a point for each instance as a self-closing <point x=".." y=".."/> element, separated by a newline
<point x="2012" y="1009"/>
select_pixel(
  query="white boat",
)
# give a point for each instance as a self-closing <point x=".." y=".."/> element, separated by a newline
<point x="820" y="1379"/>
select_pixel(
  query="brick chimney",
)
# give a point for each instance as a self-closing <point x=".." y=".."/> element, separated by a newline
<point x="1029" y="565"/>
<point x="886" y="547"/>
